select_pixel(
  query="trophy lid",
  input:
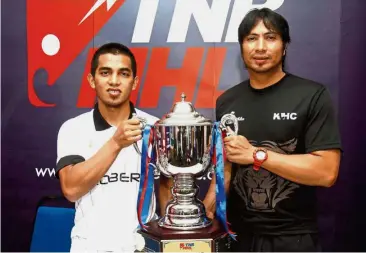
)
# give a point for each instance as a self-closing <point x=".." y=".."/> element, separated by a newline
<point x="183" y="114"/>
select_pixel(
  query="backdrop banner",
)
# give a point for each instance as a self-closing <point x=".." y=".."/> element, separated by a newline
<point x="181" y="46"/>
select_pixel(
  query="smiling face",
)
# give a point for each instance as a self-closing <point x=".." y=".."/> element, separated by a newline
<point x="263" y="49"/>
<point x="114" y="79"/>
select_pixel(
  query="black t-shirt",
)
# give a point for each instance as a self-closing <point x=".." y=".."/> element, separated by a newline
<point x="293" y="116"/>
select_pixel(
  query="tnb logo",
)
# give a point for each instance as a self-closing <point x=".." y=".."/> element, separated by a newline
<point x="285" y="116"/>
<point x="186" y="246"/>
<point x="53" y="45"/>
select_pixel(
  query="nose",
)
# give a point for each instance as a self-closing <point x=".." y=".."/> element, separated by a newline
<point x="261" y="45"/>
<point x="114" y="80"/>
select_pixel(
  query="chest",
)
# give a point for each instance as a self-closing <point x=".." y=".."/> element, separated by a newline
<point x="126" y="164"/>
<point x="273" y="123"/>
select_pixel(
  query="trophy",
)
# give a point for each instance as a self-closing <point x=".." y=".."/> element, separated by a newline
<point x="182" y="142"/>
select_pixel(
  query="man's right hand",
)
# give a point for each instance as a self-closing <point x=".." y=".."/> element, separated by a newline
<point x="128" y="132"/>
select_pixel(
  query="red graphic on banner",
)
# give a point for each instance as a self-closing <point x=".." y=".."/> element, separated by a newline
<point x="207" y="91"/>
<point x="157" y="75"/>
<point x="57" y="31"/>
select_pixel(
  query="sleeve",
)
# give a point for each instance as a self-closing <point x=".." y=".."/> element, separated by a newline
<point x="218" y="109"/>
<point x="321" y="130"/>
<point x="68" y="150"/>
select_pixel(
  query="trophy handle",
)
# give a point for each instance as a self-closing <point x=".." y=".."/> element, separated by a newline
<point x="156" y="170"/>
<point x="229" y="120"/>
<point x="143" y="123"/>
<point x="142" y="120"/>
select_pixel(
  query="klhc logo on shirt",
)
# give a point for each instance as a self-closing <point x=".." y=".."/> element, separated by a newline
<point x="284" y="116"/>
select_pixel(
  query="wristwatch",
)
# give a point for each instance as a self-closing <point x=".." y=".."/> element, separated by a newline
<point x="260" y="155"/>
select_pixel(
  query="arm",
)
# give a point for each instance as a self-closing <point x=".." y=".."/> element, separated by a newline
<point x="78" y="179"/>
<point x="210" y="198"/>
<point x="319" y="165"/>
<point x="319" y="168"/>
<point x="165" y="194"/>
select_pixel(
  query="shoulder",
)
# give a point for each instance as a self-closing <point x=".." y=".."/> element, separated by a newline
<point x="80" y="122"/>
<point x="304" y="85"/>
<point x="151" y="119"/>
<point x="231" y="93"/>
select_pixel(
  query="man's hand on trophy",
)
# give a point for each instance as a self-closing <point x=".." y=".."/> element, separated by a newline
<point x="238" y="149"/>
<point x="128" y="132"/>
<point x="210" y="215"/>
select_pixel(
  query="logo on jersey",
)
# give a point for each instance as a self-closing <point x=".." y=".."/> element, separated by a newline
<point x="285" y="116"/>
<point x="262" y="190"/>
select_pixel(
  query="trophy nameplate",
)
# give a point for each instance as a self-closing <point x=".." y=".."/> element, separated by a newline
<point x="209" y="239"/>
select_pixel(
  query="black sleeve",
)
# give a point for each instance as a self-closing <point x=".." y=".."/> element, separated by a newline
<point x="218" y="109"/>
<point x="322" y="130"/>
<point x="68" y="160"/>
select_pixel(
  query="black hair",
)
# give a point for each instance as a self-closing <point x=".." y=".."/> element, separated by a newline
<point x="113" y="48"/>
<point x="272" y="20"/>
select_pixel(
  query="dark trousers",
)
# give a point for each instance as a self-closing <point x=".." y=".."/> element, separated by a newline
<point x="276" y="243"/>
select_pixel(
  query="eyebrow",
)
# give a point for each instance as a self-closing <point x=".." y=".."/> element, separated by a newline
<point x="108" y="68"/>
<point x="267" y="33"/>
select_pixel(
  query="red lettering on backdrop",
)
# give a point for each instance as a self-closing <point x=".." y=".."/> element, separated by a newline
<point x="87" y="94"/>
<point x="158" y="76"/>
<point x="207" y="92"/>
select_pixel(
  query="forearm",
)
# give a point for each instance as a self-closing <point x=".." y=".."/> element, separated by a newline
<point x="165" y="194"/>
<point x="79" y="179"/>
<point x="210" y="198"/>
<point x="307" y="169"/>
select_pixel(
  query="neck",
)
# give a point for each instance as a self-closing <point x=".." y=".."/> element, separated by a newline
<point x="114" y="115"/>
<point x="263" y="80"/>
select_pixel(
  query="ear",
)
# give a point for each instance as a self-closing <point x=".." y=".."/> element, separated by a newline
<point x="284" y="50"/>
<point x="135" y="82"/>
<point x="91" y="81"/>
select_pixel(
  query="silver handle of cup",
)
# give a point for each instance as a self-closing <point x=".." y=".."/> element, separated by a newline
<point x="229" y="121"/>
<point x="143" y="123"/>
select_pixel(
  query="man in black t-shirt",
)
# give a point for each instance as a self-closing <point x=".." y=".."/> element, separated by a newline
<point x="287" y="144"/>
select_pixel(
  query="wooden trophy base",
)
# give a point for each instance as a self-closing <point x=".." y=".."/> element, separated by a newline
<point x="210" y="239"/>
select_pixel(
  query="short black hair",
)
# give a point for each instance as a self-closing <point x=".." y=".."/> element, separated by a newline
<point x="272" y="20"/>
<point x="116" y="49"/>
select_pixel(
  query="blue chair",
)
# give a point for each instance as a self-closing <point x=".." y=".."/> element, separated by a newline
<point x="52" y="229"/>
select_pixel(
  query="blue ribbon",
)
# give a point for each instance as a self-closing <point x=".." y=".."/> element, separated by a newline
<point x="217" y="143"/>
<point x="146" y="182"/>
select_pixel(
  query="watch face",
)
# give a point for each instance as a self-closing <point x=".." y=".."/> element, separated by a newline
<point x="260" y="155"/>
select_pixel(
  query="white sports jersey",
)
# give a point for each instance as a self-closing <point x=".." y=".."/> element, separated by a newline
<point x="106" y="217"/>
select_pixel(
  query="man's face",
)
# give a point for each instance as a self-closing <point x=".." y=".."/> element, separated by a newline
<point x="113" y="80"/>
<point x="262" y="49"/>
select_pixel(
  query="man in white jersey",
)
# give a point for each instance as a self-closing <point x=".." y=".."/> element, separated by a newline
<point x="97" y="157"/>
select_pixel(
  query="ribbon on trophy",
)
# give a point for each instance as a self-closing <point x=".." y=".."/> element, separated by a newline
<point x="217" y="150"/>
<point x="146" y="187"/>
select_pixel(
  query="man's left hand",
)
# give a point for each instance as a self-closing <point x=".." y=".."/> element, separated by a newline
<point x="238" y="149"/>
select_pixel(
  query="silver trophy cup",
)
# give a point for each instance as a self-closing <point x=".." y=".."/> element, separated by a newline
<point x="183" y="143"/>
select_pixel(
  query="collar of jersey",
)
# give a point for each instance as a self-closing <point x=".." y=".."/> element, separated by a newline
<point x="100" y="123"/>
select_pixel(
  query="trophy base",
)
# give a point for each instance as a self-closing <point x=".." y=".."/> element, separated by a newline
<point x="200" y="222"/>
<point x="209" y="239"/>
